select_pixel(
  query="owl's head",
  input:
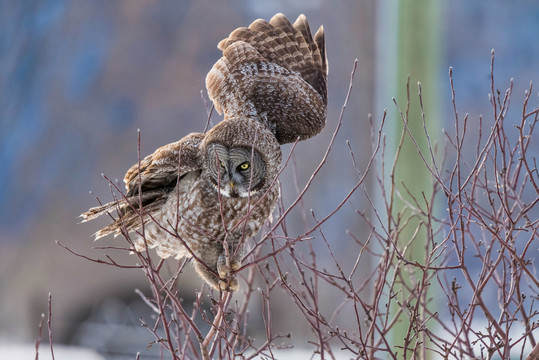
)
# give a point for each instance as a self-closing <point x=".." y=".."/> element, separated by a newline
<point x="242" y="157"/>
<point x="235" y="171"/>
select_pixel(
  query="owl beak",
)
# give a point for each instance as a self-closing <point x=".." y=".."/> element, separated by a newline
<point x="231" y="189"/>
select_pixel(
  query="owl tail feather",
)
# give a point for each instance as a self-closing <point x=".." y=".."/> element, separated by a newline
<point x="97" y="211"/>
<point x="129" y="218"/>
<point x="129" y="222"/>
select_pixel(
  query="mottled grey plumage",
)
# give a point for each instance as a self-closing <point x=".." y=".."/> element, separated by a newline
<point x="207" y="190"/>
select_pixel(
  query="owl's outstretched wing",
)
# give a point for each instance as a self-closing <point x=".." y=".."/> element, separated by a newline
<point x="162" y="168"/>
<point x="158" y="175"/>
<point x="276" y="72"/>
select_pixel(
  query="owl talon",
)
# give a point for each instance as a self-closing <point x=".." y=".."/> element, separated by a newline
<point x="225" y="271"/>
<point x="235" y="265"/>
<point x="229" y="286"/>
<point x="222" y="283"/>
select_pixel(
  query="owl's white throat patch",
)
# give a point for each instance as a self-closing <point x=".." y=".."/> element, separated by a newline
<point x="231" y="192"/>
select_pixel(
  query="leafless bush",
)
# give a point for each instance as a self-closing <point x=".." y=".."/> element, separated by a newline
<point x="477" y="228"/>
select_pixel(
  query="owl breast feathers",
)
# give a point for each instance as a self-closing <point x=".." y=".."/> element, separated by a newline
<point x="204" y="195"/>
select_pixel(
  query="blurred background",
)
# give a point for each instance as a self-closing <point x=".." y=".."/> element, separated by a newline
<point x="78" y="78"/>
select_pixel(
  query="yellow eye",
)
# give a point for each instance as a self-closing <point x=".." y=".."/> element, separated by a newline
<point x="222" y="164"/>
<point x="244" y="166"/>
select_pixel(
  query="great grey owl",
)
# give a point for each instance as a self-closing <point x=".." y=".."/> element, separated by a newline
<point x="203" y="196"/>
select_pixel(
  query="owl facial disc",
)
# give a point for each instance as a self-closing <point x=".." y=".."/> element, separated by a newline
<point x="236" y="171"/>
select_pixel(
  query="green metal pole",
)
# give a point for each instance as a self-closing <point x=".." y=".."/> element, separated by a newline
<point x="418" y="54"/>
